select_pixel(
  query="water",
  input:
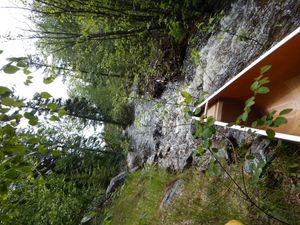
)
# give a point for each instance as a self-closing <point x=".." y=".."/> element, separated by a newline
<point x="161" y="135"/>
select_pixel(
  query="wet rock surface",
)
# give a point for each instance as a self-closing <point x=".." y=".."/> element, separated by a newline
<point x="161" y="134"/>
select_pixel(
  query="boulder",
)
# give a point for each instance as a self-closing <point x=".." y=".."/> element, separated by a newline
<point x="261" y="153"/>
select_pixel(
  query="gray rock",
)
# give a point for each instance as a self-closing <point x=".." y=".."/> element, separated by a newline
<point x="172" y="192"/>
<point x="115" y="182"/>
<point x="261" y="152"/>
<point x="133" y="169"/>
<point x="86" y="219"/>
<point x="161" y="134"/>
<point x="136" y="159"/>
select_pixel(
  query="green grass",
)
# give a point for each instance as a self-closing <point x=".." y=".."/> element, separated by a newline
<point x="140" y="197"/>
<point x="204" y="201"/>
<point x="210" y="200"/>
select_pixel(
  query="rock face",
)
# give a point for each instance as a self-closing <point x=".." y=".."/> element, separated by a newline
<point x="161" y="134"/>
<point x="261" y="152"/>
<point x="172" y="192"/>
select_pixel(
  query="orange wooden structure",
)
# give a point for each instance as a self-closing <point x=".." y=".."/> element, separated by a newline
<point x="228" y="102"/>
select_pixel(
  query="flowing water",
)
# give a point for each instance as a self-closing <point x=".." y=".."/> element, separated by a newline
<point x="161" y="134"/>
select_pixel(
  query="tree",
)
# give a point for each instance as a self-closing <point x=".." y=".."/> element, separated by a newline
<point x="78" y="108"/>
<point x="45" y="169"/>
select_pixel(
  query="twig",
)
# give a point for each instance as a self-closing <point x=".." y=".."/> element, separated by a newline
<point x="245" y="193"/>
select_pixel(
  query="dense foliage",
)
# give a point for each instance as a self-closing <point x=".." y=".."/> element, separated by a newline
<point x="111" y="53"/>
<point x="51" y="169"/>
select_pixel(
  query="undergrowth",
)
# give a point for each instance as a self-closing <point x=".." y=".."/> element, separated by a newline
<point x="207" y="199"/>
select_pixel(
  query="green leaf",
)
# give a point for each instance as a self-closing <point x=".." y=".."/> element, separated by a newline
<point x="62" y="112"/>
<point x="21" y="64"/>
<point x="9" y="69"/>
<point x="265" y="69"/>
<point x="254" y="86"/>
<point x="198" y="102"/>
<point x="1" y="51"/>
<point x="12" y="102"/>
<point x="244" y="116"/>
<point x="210" y="121"/>
<point x="201" y="150"/>
<point x="29" y="116"/>
<point x="186" y="109"/>
<point x="16" y="116"/>
<point x="4" y="110"/>
<point x="258" y="78"/>
<point x="56" y="153"/>
<point x="26" y="71"/>
<point x="8" y="101"/>
<point x="34" y="140"/>
<point x="4" y="90"/>
<point x="254" y="124"/>
<point x="197" y="111"/>
<point x="263" y="90"/>
<point x="9" y="130"/>
<point x="207" y="132"/>
<point x="250" y="102"/>
<point x="33" y="122"/>
<point x="285" y="111"/>
<point x="49" y="80"/>
<point x="279" y="121"/>
<point x="14" y="124"/>
<point x="54" y="118"/>
<point x="45" y="94"/>
<point x="187" y="96"/>
<point x="260" y="122"/>
<point x="270" y="115"/>
<point x="4" y="118"/>
<point x="206" y="143"/>
<point x="42" y="149"/>
<point x="264" y="81"/>
<point x="264" y="118"/>
<point x="17" y="59"/>
<point x="52" y="106"/>
<point x="270" y="133"/>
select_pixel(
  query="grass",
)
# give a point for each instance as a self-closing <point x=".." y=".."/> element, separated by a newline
<point x="204" y="201"/>
<point x="210" y="200"/>
<point x="140" y="197"/>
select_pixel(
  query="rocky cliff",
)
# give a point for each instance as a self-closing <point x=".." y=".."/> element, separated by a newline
<point x="161" y="134"/>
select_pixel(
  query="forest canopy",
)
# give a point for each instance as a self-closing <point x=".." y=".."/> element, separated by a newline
<point x="113" y="53"/>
